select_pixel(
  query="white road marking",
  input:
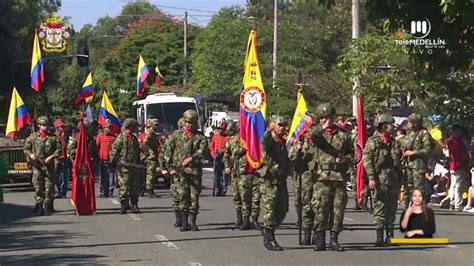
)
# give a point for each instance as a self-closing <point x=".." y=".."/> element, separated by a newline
<point x="166" y="242"/>
<point x="349" y="219"/>
<point x="134" y="217"/>
<point x="452" y="246"/>
<point x="208" y="169"/>
<point x="194" y="263"/>
<point x="114" y="201"/>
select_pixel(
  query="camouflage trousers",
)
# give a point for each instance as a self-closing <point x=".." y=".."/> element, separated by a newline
<point x="329" y="201"/>
<point x="275" y="202"/>
<point x="189" y="192"/>
<point x="236" y="192"/>
<point x="128" y="184"/>
<point x="303" y="205"/>
<point x="43" y="182"/>
<point x="174" y="190"/>
<point x="365" y="191"/>
<point x="150" y="174"/>
<point x="385" y="205"/>
<point x="415" y="179"/>
<point x="249" y="186"/>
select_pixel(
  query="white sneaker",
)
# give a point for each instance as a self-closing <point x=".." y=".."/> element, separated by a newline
<point x="471" y="210"/>
<point x="467" y="208"/>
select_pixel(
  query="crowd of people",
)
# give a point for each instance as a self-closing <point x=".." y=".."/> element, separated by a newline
<point x="401" y="167"/>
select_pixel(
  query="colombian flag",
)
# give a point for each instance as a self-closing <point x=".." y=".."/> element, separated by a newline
<point x="158" y="75"/>
<point x="142" y="75"/>
<point x="253" y="107"/>
<point x="37" y="66"/>
<point x="107" y="115"/>
<point x="87" y="92"/>
<point x="18" y="116"/>
<point x="301" y="120"/>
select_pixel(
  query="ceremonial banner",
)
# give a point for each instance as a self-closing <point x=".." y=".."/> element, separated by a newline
<point x="107" y="115"/>
<point x="301" y="120"/>
<point x="253" y="107"/>
<point x="83" y="198"/>
<point x="361" y="140"/>
<point x="87" y="92"/>
<point x="37" y="66"/>
<point x="18" y="116"/>
<point x="142" y="75"/>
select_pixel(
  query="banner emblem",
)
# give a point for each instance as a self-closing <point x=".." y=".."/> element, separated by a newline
<point x="252" y="99"/>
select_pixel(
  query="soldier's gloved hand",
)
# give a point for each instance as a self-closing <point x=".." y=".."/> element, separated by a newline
<point x="372" y="184"/>
<point x="227" y="171"/>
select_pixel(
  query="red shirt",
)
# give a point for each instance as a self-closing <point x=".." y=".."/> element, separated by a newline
<point x="218" y="142"/>
<point x="104" y="144"/>
<point x="457" y="154"/>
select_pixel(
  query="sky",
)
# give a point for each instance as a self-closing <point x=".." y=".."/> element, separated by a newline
<point x="89" y="11"/>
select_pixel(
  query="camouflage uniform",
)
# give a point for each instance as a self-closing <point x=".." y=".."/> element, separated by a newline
<point x="274" y="171"/>
<point x="125" y="155"/>
<point x="305" y="168"/>
<point x="190" y="145"/>
<point x="150" y="149"/>
<point x="232" y="159"/>
<point x="382" y="163"/>
<point x="330" y="196"/>
<point x="42" y="145"/>
<point x="170" y="157"/>
<point x="418" y="141"/>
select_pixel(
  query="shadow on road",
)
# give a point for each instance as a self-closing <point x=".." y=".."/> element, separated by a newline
<point x="49" y="259"/>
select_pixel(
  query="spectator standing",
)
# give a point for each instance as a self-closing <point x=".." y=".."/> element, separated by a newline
<point x="459" y="165"/>
<point x="104" y="143"/>
<point x="62" y="175"/>
<point x="217" y="149"/>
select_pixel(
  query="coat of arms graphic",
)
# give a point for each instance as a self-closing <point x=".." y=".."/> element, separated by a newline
<point x="54" y="34"/>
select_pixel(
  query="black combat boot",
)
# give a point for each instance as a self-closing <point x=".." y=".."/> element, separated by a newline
<point x="379" y="239"/>
<point x="246" y="225"/>
<point x="151" y="194"/>
<point x="184" y="221"/>
<point x="134" y="208"/>
<point x="47" y="209"/>
<point x="390" y="234"/>
<point x="333" y="243"/>
<point x="307" y="237"/>
<point x="177" y="223"/>
<point x="123" y="207"/>
<point x="39" y="209"/>
<point x="269" y="240"/>
<point x="319" y="240"/>
<point x="255" y="223"/>
<point x="193" y="222"/>
<point x="239" y="221"/>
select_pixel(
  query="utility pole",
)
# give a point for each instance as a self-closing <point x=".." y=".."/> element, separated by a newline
<point x="355" y="35"/>
<point x="185" y="72"/>
<point x="275" y="44"/>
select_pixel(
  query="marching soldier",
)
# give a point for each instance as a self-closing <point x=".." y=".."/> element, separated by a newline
<point x="41" y="150"/>
<point x="417" y="148"/>
<point x="330" y="196"/>
<point x="382" y="156"/>
<point x="170" y="155"/>
<point x="274" y="171"/>
<point x="125" y="156"/>
<point x="150" y="150"/>
<point x="233" y="162"/>
<point x="191" y="147"/>
<point x="302" y="153"/>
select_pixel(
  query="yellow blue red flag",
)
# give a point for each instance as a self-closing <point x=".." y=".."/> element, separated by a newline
<point x="108" y="116"/>
<point x="37" y="66"/>
<point x="87" y="91"/>
<point x="158" y="75"/>
<point x="253" y="107"/>
<point x="301" y="120"/>
<point x="142" y="75"/>
<point x="18" y="116"/>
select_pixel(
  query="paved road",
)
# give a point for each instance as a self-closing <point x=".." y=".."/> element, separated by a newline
<point x="149" y="238"/>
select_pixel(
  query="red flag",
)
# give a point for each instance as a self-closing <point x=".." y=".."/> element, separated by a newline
<point x="361" y="140"/>
<point x="83" y="198"/>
